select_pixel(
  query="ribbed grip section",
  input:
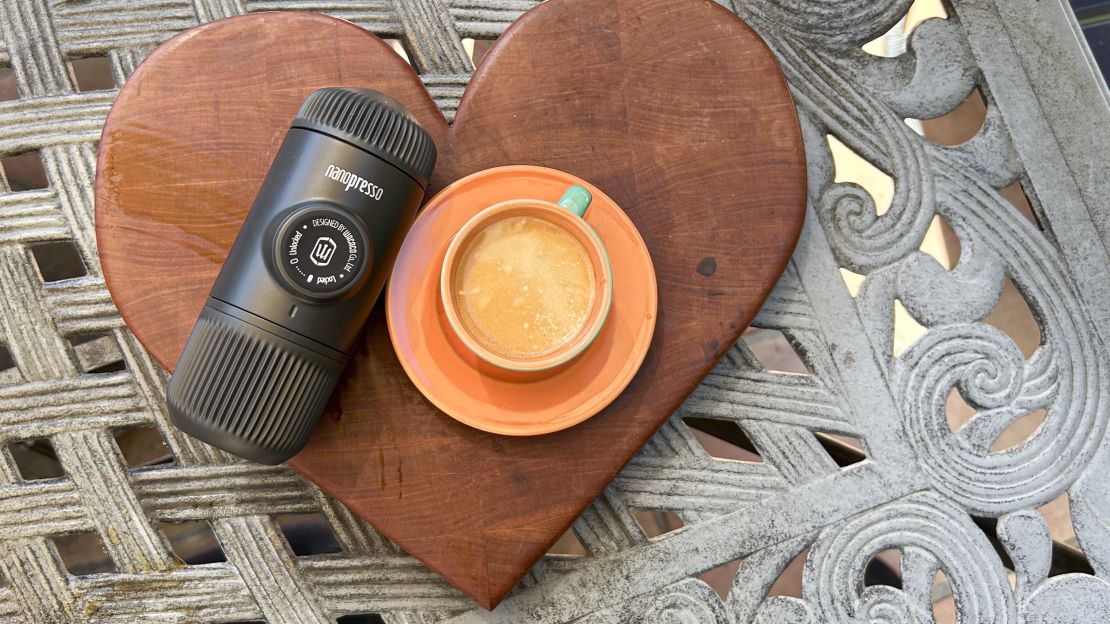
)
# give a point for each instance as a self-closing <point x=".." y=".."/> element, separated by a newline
<point x="374" y="122"/>
<point x="248" y="391"/>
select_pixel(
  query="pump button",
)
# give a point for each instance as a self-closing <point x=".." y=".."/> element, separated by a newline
<point x="321" y="251"/>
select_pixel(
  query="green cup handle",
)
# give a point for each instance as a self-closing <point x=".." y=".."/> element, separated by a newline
<point x="577" y="199"/>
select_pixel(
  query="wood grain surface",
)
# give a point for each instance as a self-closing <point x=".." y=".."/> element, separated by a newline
<point x="675" y="108"/>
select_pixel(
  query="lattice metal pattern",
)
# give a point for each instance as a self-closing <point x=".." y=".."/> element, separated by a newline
<point x="922" y="488"/>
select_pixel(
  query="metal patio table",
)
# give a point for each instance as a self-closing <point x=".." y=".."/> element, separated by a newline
<point x="943" y="499"/>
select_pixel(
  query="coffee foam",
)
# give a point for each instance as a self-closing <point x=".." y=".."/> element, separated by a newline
<point x="524" y="287"/>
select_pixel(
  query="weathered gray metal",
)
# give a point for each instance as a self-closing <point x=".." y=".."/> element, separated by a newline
<point x="1048" y="126"/>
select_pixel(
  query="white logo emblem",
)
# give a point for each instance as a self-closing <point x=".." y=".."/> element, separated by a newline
<point x="322" y="251"/>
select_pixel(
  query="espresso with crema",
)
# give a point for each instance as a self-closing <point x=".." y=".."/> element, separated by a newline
<point x="524" y="287"/>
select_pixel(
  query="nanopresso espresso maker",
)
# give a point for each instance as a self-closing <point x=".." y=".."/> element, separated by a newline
<point x="303" y="275"/>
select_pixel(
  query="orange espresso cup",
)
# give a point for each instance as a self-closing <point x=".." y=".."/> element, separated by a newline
<point x="567" y="215"/>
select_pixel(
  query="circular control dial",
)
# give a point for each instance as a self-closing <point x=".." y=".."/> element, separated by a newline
<point x="322" y="251"/>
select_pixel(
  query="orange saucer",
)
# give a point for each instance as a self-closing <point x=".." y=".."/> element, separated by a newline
<point x="455" y="380"/>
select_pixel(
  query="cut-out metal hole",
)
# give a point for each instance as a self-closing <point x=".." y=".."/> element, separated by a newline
<point x="1013" y="316"/>
<point x="893" y="42"/>
<point x="884" y="568"/>
<point x="852" y="168"/>
<point x="941" y="243"/>
<point x="789" y="582"/>
<point x="889" y="44"/>
<point x="6" y="359"/>
<point x="35" y="459"/>
<point x="308" y="534"/>
<point x="1067" y="558"/>
<point x="772" y="348"/>
<point x="720" y="578"/>
<point x="1019" y="431"/>
<point x="844" y="450"/>
<point x="399" y="47"/>
<point x="957" y="410"/>
<point x="24" y="172"/>
<point x="655" y="523"/>
<point x="959" y="125"/>
<point x="906" y="329"/>
<point x="922" y="10"/>
<point x="723" y="439"/>
<point x="360" y="618"/>
<point x="58" y="260"/>
<point x="1016" y="195"/>
<point x="476" y="49"/>
<point x="143" y="446"/>
<point x="97" y="353"/>
<point x="92" y="73"/>
<point x="83" y="553"/>
<point x="193" y="541"/>
<point x="9" y="90"/>
<point x="568" y="545"/>
<point x="1057" y="514"/>
<point x="989" y="527"/>
<point x="942" y="599"/>
<point x="853" y="281"/>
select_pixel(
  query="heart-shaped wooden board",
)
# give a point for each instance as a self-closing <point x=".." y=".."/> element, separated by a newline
<point x="675" y="108"/>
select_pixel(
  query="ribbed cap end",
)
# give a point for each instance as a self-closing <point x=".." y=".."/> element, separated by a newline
<point x="248" y="391"/>
<point x="374" y="122"/>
